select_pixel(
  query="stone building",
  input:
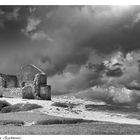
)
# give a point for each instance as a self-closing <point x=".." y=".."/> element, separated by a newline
<point x="35" y="81"/>
<point x="27" y="75"/>
<point x="31" y="83"/>
<point x="8" y="81"/>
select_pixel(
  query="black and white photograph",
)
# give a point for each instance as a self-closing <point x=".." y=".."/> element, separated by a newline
<point x="69" y="70"/>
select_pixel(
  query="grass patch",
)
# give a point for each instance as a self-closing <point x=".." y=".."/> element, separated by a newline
<point x="29" y="106"/>
<point x="3" y="104"/>
<point x="20" y="107"/>
<point x="11" y="122"/>
<point x="95" y="128"/>
<point x="112" y="108"/>
<point x="64" y="105"/>
<point x="59" y="104"/>
<point x="61" y="121"/>
<point x="12" y="108"/>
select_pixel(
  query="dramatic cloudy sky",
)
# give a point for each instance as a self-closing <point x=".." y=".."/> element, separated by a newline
<point x="61" y="39"/>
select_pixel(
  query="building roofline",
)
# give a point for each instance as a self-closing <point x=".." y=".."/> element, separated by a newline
<point x="41" y="71"/>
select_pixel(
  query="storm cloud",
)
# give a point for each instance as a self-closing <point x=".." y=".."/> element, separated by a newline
<point x="61" y="40"/>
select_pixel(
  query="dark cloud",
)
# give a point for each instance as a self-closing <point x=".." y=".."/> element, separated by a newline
<point x="62" y="39"/>
<point x="78" y="31"/>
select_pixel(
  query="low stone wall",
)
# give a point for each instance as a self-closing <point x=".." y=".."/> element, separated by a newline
<point x="11" y="92"/>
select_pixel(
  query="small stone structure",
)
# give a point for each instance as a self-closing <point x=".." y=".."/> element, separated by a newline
<point x="11" y="92"/>
<point x="31" y="82"/>
<point x="36" y="79"/>
<point x="8" y="81"/>
<point x="45" y="92"/>
<point x="27" y="74"/>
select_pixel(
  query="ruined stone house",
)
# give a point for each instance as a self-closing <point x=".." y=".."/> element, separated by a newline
<point x="29" y="76"/>
<point x="8" y="81"/>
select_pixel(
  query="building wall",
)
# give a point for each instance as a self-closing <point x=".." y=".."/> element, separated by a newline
<point x="27" y="74"/>
<point x="8" y="81"/>
<point x="11" y="81"/>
